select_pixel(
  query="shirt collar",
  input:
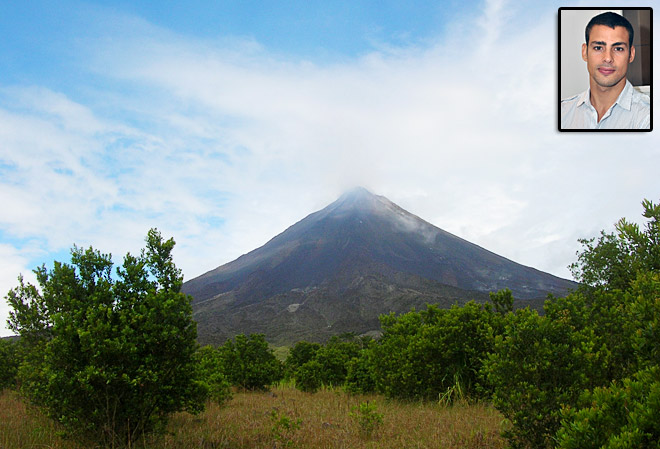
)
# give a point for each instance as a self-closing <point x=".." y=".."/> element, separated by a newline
<point x="625" y="97"/>
<point x="624" y="100"/>
<point x="584" y="98"/>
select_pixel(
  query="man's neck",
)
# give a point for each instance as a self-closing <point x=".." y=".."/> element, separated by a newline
<point x="602" y="98"/>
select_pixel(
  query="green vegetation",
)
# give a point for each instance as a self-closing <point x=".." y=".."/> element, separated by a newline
<point x="622" y="415"/>
<point x="249" y="363"/>
<point x="367" y="418"/>
<point x="108" y="357"/>
<point x="614" y="260"/>
<point x="211" y="370"/>
<point x="585" y="374"/>
<point x="421" y="355"/>
<point x="284" y="428"/>
<point x="9" y="362"/>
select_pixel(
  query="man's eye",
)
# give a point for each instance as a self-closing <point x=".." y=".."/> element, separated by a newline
<point x="598" y="47"/>
<point x="618" y="48"/>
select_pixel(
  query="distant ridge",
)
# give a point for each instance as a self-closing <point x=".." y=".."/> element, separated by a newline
<point x="339" y="268"/>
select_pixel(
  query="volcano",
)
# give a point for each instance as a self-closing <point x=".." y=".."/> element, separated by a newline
<point x="340" y="268"/>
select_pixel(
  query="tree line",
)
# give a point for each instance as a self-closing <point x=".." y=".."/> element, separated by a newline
<point x="112" y="356"/>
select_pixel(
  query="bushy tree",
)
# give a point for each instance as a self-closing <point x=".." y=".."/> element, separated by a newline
<point x="360" y="376"/>
<point x="613" y="261"/>
<point x="249" y="363"/>
<point x="604" y="317"/>
<point x="542" y="363"/>
<point x="502" y="301"/>
<point x="622" y="415"/>
<point x="645" y="318"/>
<point x="109" y="357"/>
<point x="538" y="365"/>
<point x="301" y="353"/>
<point x="335" y="356"/>
<point x="211" y="372"/>
<point x="596" y="340"/>
<point x="327" y="364"/>
<point x="309" y="376"/>
<point x="421" y="355"/>
<point x="9" y="362"/>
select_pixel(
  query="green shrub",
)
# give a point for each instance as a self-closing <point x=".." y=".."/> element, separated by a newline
<point x="367" y="418"/>
<point x="614" y="260"/>
<point x="537" y="366"/>
<point x="502" y="301"/>
<point x="249" y="363"/>
<point x="603" y="316"/>
<point x="360" y="373"/>
<point x="284" y="428"/>
<point x="645" y="317"/>
<point x="422" y="354"/>
<point x="301" y="353"/>
<point x="334" y="358"/>
<point x="325" y="365"/>
<point x="9" y="362"/>
<point x="594" y="339"/>
<point x="623" y="415"/>
<point x="309" y="376"/>
<point x="109" y="357"/>
<point x="211" y="372"/>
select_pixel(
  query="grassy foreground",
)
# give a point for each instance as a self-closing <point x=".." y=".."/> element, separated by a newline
<point x="286" y="417"/>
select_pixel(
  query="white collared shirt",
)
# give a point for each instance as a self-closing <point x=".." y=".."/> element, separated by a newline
<point x="632" y="110"/>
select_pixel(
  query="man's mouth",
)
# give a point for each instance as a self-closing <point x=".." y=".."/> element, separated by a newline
<point x="606" y="70"/>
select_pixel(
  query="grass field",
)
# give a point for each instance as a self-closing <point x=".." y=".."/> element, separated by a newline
<point x="287" y="418"/>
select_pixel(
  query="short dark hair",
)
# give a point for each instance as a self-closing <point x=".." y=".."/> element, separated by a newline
<point x="611" y="20"/>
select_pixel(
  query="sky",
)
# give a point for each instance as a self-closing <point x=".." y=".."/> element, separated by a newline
<point x="223" y="123"/>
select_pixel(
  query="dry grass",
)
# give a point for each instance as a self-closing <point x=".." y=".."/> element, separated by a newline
<point x="25" y="428"/>
<point x="247" y="422"/>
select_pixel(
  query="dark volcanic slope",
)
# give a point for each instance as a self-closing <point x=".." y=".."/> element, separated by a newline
<point x="360" y="237"/>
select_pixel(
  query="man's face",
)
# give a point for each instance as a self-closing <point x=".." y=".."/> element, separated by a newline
<point x="608" y="55"/>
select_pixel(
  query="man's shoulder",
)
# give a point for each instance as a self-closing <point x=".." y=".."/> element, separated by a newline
<point x="569" y="106"/>
<point x="641" y="98"/>
<point x="570" y="99"/>
<point x="575" y="100"/>
<point x="641" y="108"/>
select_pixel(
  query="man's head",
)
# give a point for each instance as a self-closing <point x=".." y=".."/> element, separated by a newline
<point x="612" y="20"/>
<point x="608" y="50"/>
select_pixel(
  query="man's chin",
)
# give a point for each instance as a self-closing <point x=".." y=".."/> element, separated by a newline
<point x="607" y="82"/>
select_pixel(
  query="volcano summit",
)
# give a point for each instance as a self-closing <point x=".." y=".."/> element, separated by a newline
<point x="339" y="268"/>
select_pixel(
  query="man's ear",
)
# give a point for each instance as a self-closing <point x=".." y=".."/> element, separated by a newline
<point x="584" y="52"/>
<point x="632" y="54"/>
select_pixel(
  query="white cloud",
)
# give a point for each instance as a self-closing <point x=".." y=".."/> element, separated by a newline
<point x="223" y="145"/>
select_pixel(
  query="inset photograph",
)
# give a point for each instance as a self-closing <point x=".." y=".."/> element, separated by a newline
<point x="605" y="69"/>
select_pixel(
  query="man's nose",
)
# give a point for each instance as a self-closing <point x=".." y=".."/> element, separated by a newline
<point x="609" y="55"/>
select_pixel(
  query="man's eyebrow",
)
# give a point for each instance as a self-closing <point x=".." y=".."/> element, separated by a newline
<point x="603" y="43"/>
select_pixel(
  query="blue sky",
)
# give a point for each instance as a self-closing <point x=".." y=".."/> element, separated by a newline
<point x="40" y="35"/>
<point x="222" y="123"/>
